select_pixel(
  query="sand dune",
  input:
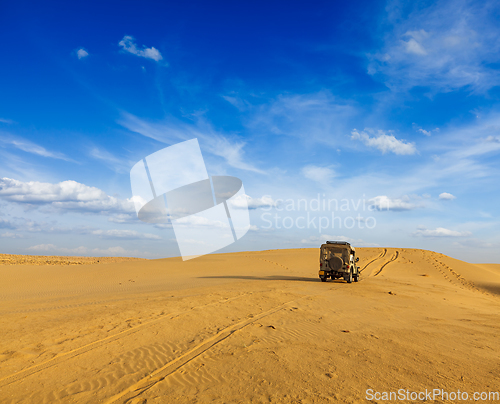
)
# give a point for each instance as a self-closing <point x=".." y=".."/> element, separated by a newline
<point x="255" y="327"/>
<point x="13" y="259"/>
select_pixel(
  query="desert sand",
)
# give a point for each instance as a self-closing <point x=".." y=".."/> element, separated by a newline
<point x="250" y="327"/>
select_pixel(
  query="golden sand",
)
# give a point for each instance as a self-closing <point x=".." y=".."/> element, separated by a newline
<point x="250" y="327"/>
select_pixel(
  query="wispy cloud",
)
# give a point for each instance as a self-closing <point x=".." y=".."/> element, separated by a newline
<point x="317" y="117"/>
<point x="125" y="234"/>
<point x="115" y="163"/>
<point x="445" y="45"/>
<point x="440" y="232"/>
<point x="424" y="131"/>
<point x="128" y="45"/>
<point x="85" y="251"/>
<point x="459" y="157"/>
<point x="124" y="218"/>
<point x="384" y="142"/>
<point x="323" y="238"/>
<point x="237" y="102"/>
<point x="12" y="235"/>
<point x="30" y="147"/>
<point x="23" y="226"/>
<point x="172" y="131"/>
<point x="7" y="224"/>
<point x="493" y="139"/>
<point x="463" y="152"/>
<point x="322" y="175"/>
<point x="7" y="121"/>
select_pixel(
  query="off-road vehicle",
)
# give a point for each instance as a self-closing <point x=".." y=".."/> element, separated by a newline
<point x="337" y="259"/>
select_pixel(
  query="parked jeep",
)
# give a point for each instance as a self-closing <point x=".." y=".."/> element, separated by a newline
<point x="337" y="259"/>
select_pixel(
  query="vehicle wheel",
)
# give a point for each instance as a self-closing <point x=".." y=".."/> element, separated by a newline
<point x="323" y="278"/>
<point x="349" y="280"/>
<point x="356" y="278"/>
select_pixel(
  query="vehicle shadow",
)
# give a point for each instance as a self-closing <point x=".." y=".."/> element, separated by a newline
<point x="264" y="278"/>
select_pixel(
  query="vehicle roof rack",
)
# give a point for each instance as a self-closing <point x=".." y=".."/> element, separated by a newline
<point x="338" y="242"/>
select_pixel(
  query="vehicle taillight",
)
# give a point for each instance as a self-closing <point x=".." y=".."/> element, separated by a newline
<point x="347" y="266"/>
<point x="320" y="264"/>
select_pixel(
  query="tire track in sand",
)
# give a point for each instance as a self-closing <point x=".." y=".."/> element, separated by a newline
<point x="61" y="357"/>
<point x="160" y="374"/>
<point x="381" y="255"/>
<point x="199" y="372"/>
<point x="392" y="259"/>
<point x="120" y="372"/>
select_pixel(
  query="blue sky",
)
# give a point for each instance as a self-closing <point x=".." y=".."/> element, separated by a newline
<point x="391" y="106"/>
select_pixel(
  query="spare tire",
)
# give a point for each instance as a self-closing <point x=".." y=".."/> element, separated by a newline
<point x="335" y="263"/>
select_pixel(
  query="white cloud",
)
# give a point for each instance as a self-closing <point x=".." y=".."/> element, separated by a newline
<point x="85" y="251"/>
<point x="66" y="195"/>
<point x="7" y="121"/>
<point x="412" y="46"/>
<point x="383" y="202"/>
<point x="128" y="45"/>
<point x="440" y="232"/>
<point x="323" y="238"/>
<point x="124" y="234"/>
<point x="493" y="139"/>
<point x="447" y="196"/>
<point x="11" y="235"/>
<point x="446" y="45"/>
<point x="124" y="218"/>
<point x="30" y="147"/>
<point x="242" y="201"/>
<point x="319" y="174"/>
<point x="43" y="247"/>
<point x="81" y="53"/>
<point x="383" y="142"/>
